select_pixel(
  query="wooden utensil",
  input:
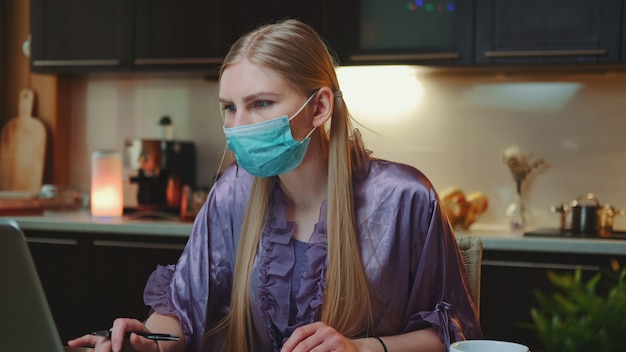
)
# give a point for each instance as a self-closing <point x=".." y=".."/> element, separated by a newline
<point x="22" y="149"/>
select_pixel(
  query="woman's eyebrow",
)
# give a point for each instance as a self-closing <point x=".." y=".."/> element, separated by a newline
<point x="252" y="97"/>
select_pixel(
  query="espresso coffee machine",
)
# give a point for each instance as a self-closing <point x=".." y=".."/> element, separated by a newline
<point x="159" y="169"/>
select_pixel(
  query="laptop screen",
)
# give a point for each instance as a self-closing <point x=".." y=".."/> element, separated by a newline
<point x="26" y="323"/>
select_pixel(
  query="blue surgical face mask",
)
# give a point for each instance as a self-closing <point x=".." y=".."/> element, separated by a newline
<point x="268" y="148"/>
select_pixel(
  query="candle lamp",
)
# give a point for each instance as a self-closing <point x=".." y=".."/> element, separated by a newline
<point x="107" y="198"/>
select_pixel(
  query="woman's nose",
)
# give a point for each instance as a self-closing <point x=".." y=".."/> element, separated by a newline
<point x="240" y="118"/>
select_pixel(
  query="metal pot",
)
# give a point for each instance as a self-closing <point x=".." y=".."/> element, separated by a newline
<point x="607" y="214"/>
<point x="586" y="215"/>
<point x="566" y="215"/>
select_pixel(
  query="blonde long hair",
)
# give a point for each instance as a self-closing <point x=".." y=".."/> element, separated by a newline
<point x="296" y="52"/>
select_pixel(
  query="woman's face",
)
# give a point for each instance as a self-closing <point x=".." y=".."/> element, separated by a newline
<point x="250" y="93"/>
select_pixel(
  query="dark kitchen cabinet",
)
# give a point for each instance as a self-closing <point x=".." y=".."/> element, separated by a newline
<point x="189" y="34"/>
<point x="82" y="36"/>
<point x="61" y="262"/>
<point x="508" y="282"/>
<point x="2" y="115"/>
<point x="90" y="279"/>
<point x="326" y="16"/>
<point x="436" y="32"/>
<point x="544" y="32"/>
<point x="153" y="35"/>
<point x="121" y="267"/>
<point x="624" y="33"/>
<point x="123" y="35"/>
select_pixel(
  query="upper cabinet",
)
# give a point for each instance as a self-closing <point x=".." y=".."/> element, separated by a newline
<point x="624" y="33"/>
<point x="143" y="35"/>
<point x="418" y="32"/>
<point x="555" y="31"/>
<point x="85" y="35"/>
<point x="1" y="63"/>
<point x="170" y="33"/>
<point x="140" y="35"/>
<point x="122" y="35"/>
<point x="321" y="15"/>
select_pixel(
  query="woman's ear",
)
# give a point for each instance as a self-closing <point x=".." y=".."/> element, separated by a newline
<point x="324" y="105"/>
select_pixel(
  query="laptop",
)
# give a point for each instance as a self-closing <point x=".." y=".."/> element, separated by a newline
<point x="26" y="323"/>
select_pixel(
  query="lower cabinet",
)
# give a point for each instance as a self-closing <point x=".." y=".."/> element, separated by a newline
<point x="91" y="279"/>
<point x="509" y="280"/>
<point x="61" y="262"/>
<point x="121" y="267"/>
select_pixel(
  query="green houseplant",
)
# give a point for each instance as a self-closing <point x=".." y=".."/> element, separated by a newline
<point x="582" y="315"/>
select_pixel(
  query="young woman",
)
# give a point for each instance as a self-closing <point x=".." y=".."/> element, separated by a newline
<point x="306" y="243"/>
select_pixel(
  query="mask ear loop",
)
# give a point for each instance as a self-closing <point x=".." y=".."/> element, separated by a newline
<point x="217" y="174"/>
<point x="309" y="134"/>
<point x="303" y="106"/>
<point x="219" y="167"/>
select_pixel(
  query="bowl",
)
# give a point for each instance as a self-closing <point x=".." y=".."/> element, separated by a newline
<point x="487" y="346"/>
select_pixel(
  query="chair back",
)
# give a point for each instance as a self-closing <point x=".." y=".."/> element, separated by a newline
<point x="471" y="248"/>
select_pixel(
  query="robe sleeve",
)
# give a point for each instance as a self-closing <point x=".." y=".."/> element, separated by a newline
<point x="182" y="289"/>
<point x="411" y="256"/>
<point x="440" y="272"/>
<point x="197" y="289"/>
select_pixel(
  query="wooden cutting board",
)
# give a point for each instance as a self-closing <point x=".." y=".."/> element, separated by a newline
<point x="22" y="149"/>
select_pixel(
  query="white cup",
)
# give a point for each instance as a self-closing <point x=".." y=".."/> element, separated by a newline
<point x="487" y="346"/>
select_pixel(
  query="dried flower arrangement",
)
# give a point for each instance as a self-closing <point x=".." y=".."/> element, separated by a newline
<point x="517" y="214"/>
<point x="520" y="165"/>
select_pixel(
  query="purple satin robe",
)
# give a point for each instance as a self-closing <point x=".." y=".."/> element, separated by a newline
<point x="408" y="248"/>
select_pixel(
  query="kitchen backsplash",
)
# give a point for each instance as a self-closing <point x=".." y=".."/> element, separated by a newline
<point x="452" y="125"/>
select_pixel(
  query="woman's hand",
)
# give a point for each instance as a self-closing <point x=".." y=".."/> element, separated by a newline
<point x="117" y="341"/>
<point x="318" y="337"/>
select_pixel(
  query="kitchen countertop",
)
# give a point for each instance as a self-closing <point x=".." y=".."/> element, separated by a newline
<point x="499" y="237"/>
<point x="84" y="222"/>
<point x="495" y="237"/>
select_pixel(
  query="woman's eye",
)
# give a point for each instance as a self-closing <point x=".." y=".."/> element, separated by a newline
<point x="261" y="104"/>
<point x="229" y="108"/>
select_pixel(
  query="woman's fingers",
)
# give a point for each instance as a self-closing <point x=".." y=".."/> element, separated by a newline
<point x="118" y="335"/>
<point x="118" y="338"/>
<point x="299" y="337"/>
<point x="85" y="341"/>
<point x="140" y="343"/>
<point x="316" y="337"/>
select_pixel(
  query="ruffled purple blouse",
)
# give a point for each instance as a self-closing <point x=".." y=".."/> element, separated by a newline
<point x="408" y="249"/>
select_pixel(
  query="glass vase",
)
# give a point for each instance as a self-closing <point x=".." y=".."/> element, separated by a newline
<point x="518" y="215"/>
